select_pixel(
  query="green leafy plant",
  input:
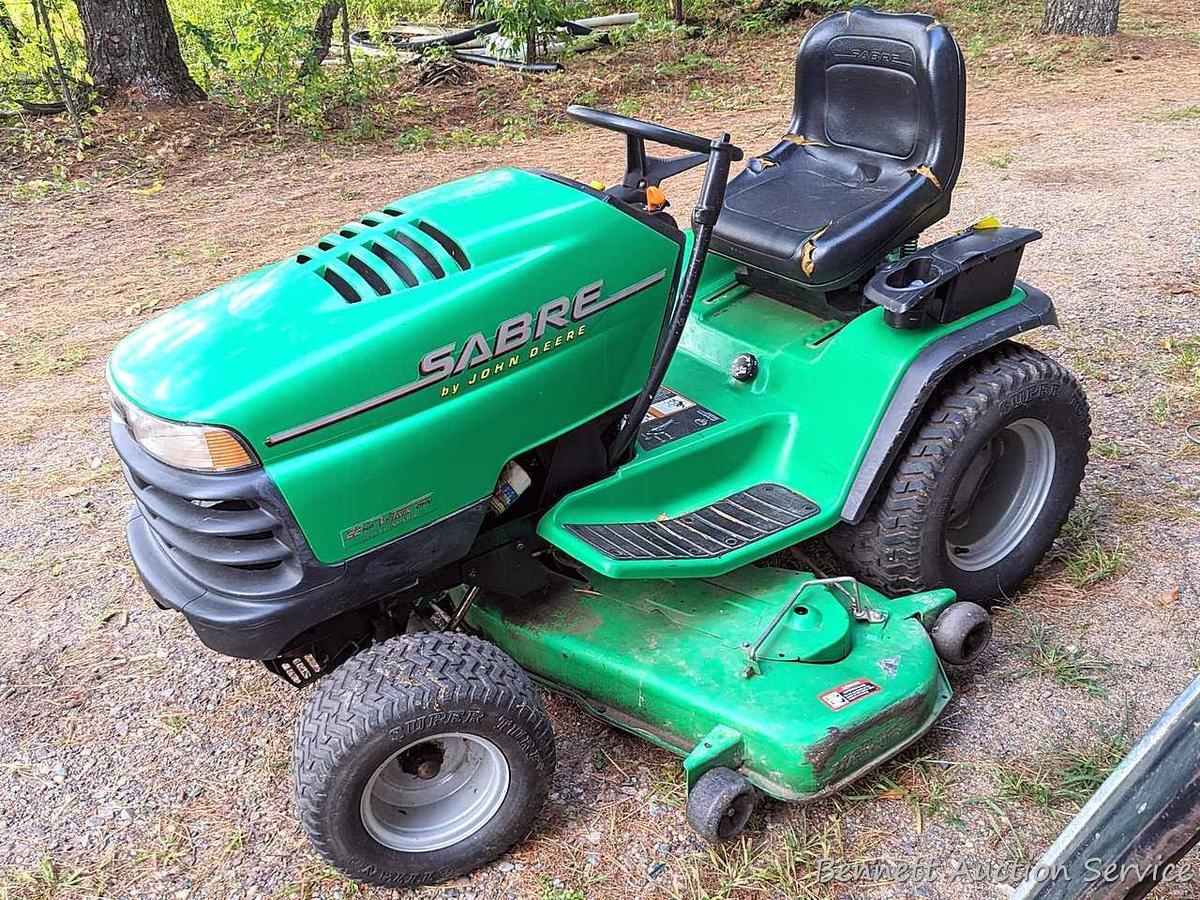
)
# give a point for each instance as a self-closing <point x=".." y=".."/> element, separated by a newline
<point x="522" y="22"/>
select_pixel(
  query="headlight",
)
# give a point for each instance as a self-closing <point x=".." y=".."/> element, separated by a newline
<point x="202" y="448"/>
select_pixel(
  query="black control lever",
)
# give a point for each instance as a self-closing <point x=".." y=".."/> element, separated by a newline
<point x="704" y="216"/>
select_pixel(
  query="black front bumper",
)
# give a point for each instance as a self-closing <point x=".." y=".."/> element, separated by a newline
<point x="225" y="550"/>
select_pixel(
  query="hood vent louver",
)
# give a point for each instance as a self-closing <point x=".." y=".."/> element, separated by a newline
<point x="455" y="251"/>
<point x="370" y="276"/>
<point x="383" y="253"/>
<point x="426" y="258"/>
<point x="339" y="284"/>
<point x="396" y="264"/>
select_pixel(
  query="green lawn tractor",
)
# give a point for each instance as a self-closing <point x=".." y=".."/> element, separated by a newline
<point x="520" y="430"/>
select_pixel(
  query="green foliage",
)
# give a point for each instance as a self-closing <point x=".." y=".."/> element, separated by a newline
<point x="690" y="63"/>
<point x="521" y="20"/>
<point x="26" y="66"/>
<point x="249" y="54"/>
<point x="248" y="50"/>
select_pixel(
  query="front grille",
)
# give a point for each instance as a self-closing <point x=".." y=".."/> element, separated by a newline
<point x="211" y="527"/>
<point x="383" y="253"/>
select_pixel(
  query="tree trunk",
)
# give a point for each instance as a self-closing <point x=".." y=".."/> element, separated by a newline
<point x="677" y="11"/>
<point x="132" y="49"/>
<point x="1098" y="17"/>
<point x="322" y="37"/>
<point x="346" y="34"/>
<point x="531" y="45"/>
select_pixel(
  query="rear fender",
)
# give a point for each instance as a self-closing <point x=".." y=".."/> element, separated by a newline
<point x="922" y="379"/>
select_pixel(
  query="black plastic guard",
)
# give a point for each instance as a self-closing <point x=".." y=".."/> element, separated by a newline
<point x="922" y="379"/>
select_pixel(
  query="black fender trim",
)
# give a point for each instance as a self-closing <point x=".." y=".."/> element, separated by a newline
<point x="921" y="380"/>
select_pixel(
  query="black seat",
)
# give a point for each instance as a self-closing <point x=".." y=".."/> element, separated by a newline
<point x="870" y="157"/>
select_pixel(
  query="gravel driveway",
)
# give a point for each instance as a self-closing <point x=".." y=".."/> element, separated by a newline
<point x="133" y="763"/>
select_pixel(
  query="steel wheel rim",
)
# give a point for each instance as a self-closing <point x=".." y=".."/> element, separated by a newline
<point x="1000" y="495"/>
<point x="435" y="792"/>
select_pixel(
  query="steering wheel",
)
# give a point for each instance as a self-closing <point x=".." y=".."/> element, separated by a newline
<point x="641" y="170"/>
<point x="649" y="131"/>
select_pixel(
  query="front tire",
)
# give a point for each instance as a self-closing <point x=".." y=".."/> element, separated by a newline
<point x="420" y="759"/>
<point x="984" y="485"/>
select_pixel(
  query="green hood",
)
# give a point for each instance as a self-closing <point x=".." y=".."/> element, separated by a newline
<point x="408" y="357"/>
<point x="285" y="344"/>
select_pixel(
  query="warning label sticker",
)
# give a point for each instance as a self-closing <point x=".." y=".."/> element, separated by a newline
<point x="850" y="692"/>
<point x="672" y="416"/>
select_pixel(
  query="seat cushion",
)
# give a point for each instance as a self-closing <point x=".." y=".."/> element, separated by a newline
<point x="847" y="216"/>
<point x="779" y="206"/>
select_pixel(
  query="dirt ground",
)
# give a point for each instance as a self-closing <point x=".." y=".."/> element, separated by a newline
<point x="134" y="763"/>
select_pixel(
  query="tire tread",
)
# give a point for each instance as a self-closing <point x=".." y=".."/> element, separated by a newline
<point x="884" y="549"/>
<point x="390" y="682"/>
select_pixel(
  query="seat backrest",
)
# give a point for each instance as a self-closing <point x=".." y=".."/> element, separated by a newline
<point x="892" y="86"/>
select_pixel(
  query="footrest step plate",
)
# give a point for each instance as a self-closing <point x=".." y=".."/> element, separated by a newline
<point x="716" y="529"/>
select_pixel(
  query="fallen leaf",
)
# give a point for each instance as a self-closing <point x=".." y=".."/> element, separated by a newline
<point x="802" y="141"/>
<point x="1166" y="598"/>
<point x="926" y="172"/>
<point x="153" y="189"/>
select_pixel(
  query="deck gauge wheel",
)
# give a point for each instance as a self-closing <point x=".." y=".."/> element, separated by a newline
<point x="720" y="804"/>
<point x="962" y="632"/>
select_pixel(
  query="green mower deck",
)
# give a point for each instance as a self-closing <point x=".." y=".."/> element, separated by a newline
<point x="670" y="662"/>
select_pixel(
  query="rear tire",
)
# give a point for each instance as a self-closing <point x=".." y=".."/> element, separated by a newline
<point x="421" y="758"/>
<point x="984" y="485"/>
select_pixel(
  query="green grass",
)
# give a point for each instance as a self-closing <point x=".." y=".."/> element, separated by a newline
<point x="413" y="138"/>
<point x="1090" y="557"/>
<point x="1068" y="775"/>
<point x="48" y="362"/>
<point x="1160" y="408"/>
<point x="1175" y="114"/>
<point x="668" y="790"/>
<point x="923" y="783"/>
<point x="690" y="63"/>
<point x="1184" y="353"/>
<point x="784" y="864"/>
<point x="49" y="880"/>
<point x="1069" y="665"/>
<point x="561" y="893"/>
<point x="1093" y="562"/>
<point x="1107" y="449"/>
<point x="1083" y="523"/>
<point x="999" y="160"/>
<point x="40" y="188"/>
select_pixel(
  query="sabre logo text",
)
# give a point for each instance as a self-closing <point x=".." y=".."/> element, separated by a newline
<point x="513" y="334"/>
<point x="506" y="348"/>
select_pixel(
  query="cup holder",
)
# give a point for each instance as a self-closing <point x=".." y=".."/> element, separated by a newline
<point x="919" y="272"/>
